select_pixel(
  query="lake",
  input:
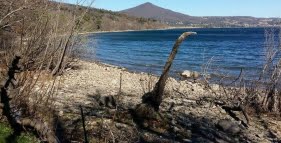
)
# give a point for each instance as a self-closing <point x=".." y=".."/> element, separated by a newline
<point x="224" y="50"/>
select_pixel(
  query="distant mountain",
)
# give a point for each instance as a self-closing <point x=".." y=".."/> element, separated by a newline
<point x="149" y="10"/>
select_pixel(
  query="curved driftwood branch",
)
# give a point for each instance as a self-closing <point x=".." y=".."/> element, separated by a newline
<point x="154" y="98"/>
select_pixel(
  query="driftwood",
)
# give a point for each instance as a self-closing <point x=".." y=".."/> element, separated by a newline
<point x="229" y="108"/>
<point x="154" y="98"/>
<point x="20" y="124"/>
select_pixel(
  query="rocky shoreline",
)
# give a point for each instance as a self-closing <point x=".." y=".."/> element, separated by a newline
<point x="114" y="31"/>
<point x="191" y="120"/>
<point x="93" y="77"/>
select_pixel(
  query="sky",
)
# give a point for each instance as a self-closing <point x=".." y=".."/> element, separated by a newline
<point x="256" y="8"/>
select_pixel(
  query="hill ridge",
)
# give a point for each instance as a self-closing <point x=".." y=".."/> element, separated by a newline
<point x="167" y="16"/>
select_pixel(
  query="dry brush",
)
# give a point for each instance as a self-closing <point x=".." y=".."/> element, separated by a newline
<point x="38" y="41"/>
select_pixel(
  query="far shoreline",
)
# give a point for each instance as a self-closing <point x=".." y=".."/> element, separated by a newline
<point x="160" y="29"/>
<point x="129" y="30"/>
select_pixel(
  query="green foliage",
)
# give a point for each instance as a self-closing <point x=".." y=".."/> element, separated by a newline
<point x="6" y="131"/>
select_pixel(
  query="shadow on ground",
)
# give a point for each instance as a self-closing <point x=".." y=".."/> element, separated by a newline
<point x="108" y="120"/>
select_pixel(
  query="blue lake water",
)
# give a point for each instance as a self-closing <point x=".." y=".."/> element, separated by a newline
<point x="227" y="49"/>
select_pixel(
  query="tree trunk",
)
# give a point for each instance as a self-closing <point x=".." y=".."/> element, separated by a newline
<point x="59" y="64"/>
<point x="154" y="98"/>
<point x="60" y="61"/>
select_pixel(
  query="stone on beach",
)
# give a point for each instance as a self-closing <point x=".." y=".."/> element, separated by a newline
<point x="190" y="74"/>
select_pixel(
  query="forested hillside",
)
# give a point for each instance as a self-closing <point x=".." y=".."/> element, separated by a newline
<point x="104" y="20"/>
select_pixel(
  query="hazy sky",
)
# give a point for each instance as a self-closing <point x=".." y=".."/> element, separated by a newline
<point x="257" y="8"/>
